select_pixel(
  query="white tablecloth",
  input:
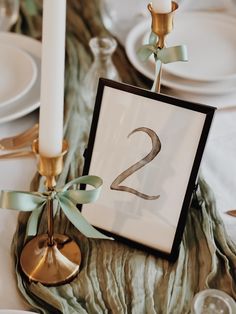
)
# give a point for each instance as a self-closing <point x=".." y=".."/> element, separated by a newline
<point x="218" y="167"/>
<point x="15" y="174"/>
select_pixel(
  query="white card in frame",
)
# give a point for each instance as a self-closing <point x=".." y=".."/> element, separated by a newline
<point x="147" y="148"/>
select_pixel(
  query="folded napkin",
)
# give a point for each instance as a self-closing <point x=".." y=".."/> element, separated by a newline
<point x="115" y="278"/>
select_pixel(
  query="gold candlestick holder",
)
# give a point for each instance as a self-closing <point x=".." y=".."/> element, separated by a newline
<point x="162" y="25"/>
<point x="51" y="259"/>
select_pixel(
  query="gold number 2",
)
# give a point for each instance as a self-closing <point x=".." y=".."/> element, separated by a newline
<point x="156" y="147"/>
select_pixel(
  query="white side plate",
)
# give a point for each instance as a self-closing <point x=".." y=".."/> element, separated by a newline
<point x="30" y="101"/>
<point x="18" y="73"/>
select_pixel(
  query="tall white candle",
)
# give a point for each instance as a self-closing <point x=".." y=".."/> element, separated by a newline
<point x="161" y="6"/>
<point x="52" y="78"/>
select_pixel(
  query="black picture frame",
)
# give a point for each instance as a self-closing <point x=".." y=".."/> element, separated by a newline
<point x="177" y="131"/>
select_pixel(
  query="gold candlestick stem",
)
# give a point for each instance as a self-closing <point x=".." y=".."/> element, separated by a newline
<point x="51" y="259"/>
<point x="162" y="24"/>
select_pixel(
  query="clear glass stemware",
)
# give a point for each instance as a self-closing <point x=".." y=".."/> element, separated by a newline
<point x="102" y="49"/>
<point x="9" y="12"/>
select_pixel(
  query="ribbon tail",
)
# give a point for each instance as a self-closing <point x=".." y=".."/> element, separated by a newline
<point x="157" y="72"/>
<point x="77" y="219"/>
<point x="32" y="225"/>
<point x="56" y="207"/>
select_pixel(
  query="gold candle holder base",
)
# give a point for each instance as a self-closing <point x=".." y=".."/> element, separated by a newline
<point x="51" y="259"/>
<point x="162" y="25"/>
<point x="51" y="265"/>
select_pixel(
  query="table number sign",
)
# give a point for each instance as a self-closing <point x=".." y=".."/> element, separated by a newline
<point x="147" y="147"/>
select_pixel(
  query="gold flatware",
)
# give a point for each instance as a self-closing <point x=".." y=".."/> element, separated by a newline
<point x="19" y="154"/>
<point x="231" y="212"/>
<point x="20" y="140"/>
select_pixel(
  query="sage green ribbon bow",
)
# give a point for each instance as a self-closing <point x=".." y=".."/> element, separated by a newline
<point x="67" y="199"/>
<point x="161" y="55"/>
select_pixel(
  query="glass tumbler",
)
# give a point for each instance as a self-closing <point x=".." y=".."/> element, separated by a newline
<point x="9" y="12"/>
<point x="213" y="301"/>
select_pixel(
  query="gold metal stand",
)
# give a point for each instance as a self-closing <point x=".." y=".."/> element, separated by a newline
<point x="51" y="259"/>
<point x="162" y="24"/>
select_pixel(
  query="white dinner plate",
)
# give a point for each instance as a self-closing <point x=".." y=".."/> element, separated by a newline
<point x="211" y="44"/>
<point x="196" y="87"/>
<point x="18" y="73"/>
<point x="30" y="101"/>
<point x="135" y="40"/>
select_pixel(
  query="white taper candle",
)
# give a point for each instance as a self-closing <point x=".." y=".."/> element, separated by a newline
<point x="52" y="78"/>
<point x="161" y="6"/>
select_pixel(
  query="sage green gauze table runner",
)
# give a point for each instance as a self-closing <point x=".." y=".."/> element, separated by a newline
<point x="115" y="278"/>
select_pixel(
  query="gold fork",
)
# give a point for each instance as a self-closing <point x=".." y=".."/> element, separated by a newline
<point x="231" y="212"/>
<point x="21" y="140"/>
<point x="19" y="154"/>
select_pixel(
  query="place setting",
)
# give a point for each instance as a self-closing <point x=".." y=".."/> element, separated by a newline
<point x="20" y="58"/>
<point x="20" y="85"/>
<point x="20" y="66"/>
<point x="207" y="76"/>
